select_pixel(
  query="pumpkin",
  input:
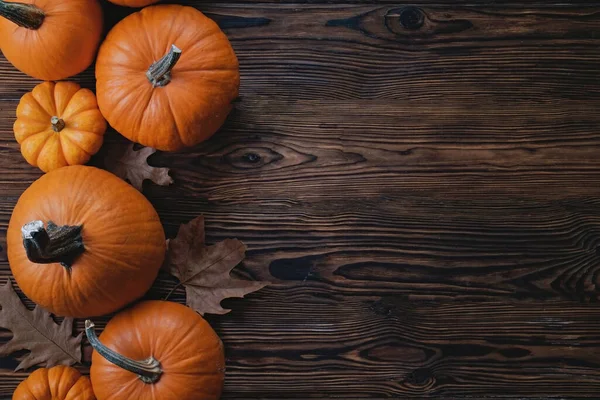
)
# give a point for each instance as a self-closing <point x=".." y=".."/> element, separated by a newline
<point x="166" y="77"/>
<point x="134" y="3"/>
<point x="59" y="124"/>
<point x="56" y="383"/>
<point x="82" y="242"/>
<point x="157" y="350"/>
<point x="50" y="39"/>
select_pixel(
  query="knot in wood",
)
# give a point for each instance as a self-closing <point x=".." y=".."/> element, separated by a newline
<point x="411" y="17"/>
<point x="420" y="377"/>
<point x="251" y="158"/>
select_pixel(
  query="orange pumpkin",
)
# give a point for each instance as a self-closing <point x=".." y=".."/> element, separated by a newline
<point x="166" y="77"/>
<point x="59" y="124"/>
<point x="56" y="383"/>
<point x="50" y="39"/>
<point x="134" y="3"/>
<point x="82" y="242"/>
<point x="157" y="350"/>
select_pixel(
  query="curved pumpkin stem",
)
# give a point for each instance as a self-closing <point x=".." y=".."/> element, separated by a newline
<point x="54" y="244"/>
<point x="159" y="73"/>
<point x="25" y="15"/>
<point x="148" y="370"/>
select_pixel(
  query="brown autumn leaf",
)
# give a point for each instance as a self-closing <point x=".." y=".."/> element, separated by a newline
<point x="48" y="342"/>
<point x="132" y="166"/>
<point x="204" y="270"/>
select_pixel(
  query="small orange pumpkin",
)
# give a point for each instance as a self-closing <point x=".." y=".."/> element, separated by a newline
<point x="82" y="242"/>
<point x="166" y="77"/>
<point x="59" y="124"/>
<point x="157" y="350"/>
<point x="134" y="3"/>
<point x="56" y="383"/>
<point x="50" y="39"/>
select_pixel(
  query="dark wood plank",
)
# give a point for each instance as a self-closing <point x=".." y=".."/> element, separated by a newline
<point x="424" y="201"/>
<point x="373" y="192"/>
<point x="349" y="52"/>
<point x="313" y="342"/>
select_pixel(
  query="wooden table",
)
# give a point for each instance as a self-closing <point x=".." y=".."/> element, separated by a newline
<point x="420" y="183"/>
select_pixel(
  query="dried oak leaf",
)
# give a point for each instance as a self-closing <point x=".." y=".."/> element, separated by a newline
<point x="48" y="342"/>
<point x="204" y="270"/>
<point x="132" y="166"/>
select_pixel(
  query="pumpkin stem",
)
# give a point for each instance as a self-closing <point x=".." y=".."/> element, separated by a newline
<point x="159" y="73"/>
<point x="148" y="370"/>
<point x="57" y="124"/>
<point x="54" y="244"/>
<point x="25" y="15"/>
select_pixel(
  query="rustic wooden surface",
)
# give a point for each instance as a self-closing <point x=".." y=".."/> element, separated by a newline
<point x="425" y="198"/>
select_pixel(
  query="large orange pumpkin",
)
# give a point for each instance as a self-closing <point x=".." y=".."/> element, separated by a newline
<point x="59" y="124"/>
<point x="50" y="39"/>
<point x="56" y="383"/>
<point x="82" y="242"/>
<point x="157" y="350"/>
<point x="166" y="77"/>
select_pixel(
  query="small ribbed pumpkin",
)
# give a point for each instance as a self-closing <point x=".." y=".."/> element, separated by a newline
<point x="56" y="383"/>
<point x="50" y="40"/>
<point x="82" y="242"/>
<point x="157" y="350"/>
<point x="166" y="77"/>
<point x="59" y="124"/>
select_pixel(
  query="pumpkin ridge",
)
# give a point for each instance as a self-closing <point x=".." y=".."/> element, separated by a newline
<point x="42" y="40"/>
<point x="115" y="64"/>
<point x="40" y="88"/>
<point x="132" y="322"/>
<point x="148" y="98"/>
<point x="115" y="394"/>
<point x="214" y="32"/>
<point x="117" y="106"/>
<point x="37" y="103"/>
<point x="62" y="148"/>
<point x="174" y="348"/>
<point x="177" y="129"/>
<point x="124" y="51"/>
<point x="79" y="385"/>
<point x="61" y="113"/>
<point x="146" y="35"/>
<point x="70" y="131"/>
<point x="119" y="264"/>
<point x="74" y="115"/>
<point x="39" y="148"/>
<point x="215" y="29"/>
<point x="65" y="137"/>
<point x="33" y="133"/>
<point x="75" y="390"/>
<point x="83" y="213"/>
<point x="36" y="120"/>
<point x="106" y="294"/>
<point x="28" y="389"/>
<point x="175" y="18"/>
<point x="55" y="384"/>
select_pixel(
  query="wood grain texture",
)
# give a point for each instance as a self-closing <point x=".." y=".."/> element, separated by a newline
<point x="420" y="183"/>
